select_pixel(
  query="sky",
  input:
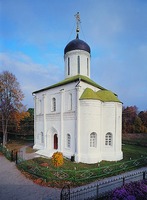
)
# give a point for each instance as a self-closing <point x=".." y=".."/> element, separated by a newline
<point x="33" y="35"/>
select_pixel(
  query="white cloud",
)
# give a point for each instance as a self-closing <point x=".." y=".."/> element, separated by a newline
<point x="115" y="31"/>
<point x="29" y="74"/>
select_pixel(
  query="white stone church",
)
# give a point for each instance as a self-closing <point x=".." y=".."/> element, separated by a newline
<point x="77" y="116"/>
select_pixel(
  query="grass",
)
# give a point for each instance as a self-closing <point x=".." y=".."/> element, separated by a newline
<point x="77" y="174"/>
<point x="139" y="139"/>
<point x="74" y="170"/>
<point x="15" y="144"/>
<point x="133" y="151"/>
<point x="129" y="152"/>
<point x="18" y="144"/>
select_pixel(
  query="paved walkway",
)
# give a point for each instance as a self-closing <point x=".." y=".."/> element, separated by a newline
<point x="14" y="186"/>
<point x="28" y="156"/>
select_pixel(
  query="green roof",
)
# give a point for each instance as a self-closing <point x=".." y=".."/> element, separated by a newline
<point x="72" y="79"/>
<point x="102" y="95"/>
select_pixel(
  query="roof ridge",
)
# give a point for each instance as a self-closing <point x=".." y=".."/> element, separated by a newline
<point x="72" y="79"/>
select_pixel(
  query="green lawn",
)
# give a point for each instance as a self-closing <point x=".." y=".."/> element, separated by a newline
<point x="139" y="139"/>
<point x="80" y="173"/>
<point x="129" y="152"/>
<point x="42" y="169"/>
<point x="133" y="151"/>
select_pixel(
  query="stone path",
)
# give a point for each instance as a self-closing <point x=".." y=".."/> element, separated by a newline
<point x="28" y="156"/>
<point x="14" y="186"/>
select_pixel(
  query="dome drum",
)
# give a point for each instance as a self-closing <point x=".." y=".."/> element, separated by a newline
<point x="77" y="62"/>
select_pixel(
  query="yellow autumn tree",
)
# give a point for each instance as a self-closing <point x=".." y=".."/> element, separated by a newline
<point x="57" y="159"/>
<point x="16" y="118"/>
<point x="11" y="98"/>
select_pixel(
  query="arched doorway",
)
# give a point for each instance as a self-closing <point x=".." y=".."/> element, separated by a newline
<point x="55" y="141"/>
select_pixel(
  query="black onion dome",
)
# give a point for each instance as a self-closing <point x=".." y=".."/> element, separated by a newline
<point x="77" y="44"/>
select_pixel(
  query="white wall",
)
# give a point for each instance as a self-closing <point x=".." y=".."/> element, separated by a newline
<point x="101" y="118"/>
<point x="46" y="119"/>
<point x="93" y="115"/>
<point x="72" y="55"/>
<point x="90" y="122"/>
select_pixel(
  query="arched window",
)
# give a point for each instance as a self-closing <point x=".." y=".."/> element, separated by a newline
<point x="68" y="69"/>
<point x="108" y="139"/>
<point x="93" y="139"/>
<point x="69" y="101"/>
<point x="68" y="140"/>
<point x="78" y="64"/>
<point x="53" y="104"/>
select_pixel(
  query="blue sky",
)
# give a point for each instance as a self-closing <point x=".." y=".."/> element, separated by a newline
<point x="33" y="35"/>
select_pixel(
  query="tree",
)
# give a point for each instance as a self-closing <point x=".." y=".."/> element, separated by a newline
<point x="128" y="118"/>
<point x="134" y="121"/>
<point x="15" y="120"/>
<point x="27" y="123"/>
<point x="10" y="99"/>
<point x="138" y="125"/>
<point x="143" y="117"/>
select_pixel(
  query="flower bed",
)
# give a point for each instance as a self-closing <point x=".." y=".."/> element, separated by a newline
<point x="131" y="191"/>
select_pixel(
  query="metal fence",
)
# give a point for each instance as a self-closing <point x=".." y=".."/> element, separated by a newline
<point x="75" y="176"/>
<point x="100" y="189"/>
<point x="12" y="155"/>
<point x="79" y="176"/>
<point x="93" y="191"/>
<point x="5" y="151"/>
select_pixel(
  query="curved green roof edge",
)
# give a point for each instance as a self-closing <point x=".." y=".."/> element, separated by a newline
<point x="102" y="95"/>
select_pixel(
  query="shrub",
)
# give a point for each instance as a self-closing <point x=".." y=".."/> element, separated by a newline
<point x="57" y="159"/>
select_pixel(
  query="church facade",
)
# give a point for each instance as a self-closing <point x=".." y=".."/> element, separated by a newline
<point x="77" y="116"/>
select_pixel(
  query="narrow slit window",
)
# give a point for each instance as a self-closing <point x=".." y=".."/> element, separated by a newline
<point x="78" y="64"/>
<point x="42" y="137"/>
<point x="68" y="140"/>
<point x="69" y="101"/>
<point x="39" y="110"/>
<point x="68" y="70"/>
<point x="87" y="67"/>
<point x="53" y="104"/>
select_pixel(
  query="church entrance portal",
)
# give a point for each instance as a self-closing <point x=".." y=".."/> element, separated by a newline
<point x="55" y="141"/>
